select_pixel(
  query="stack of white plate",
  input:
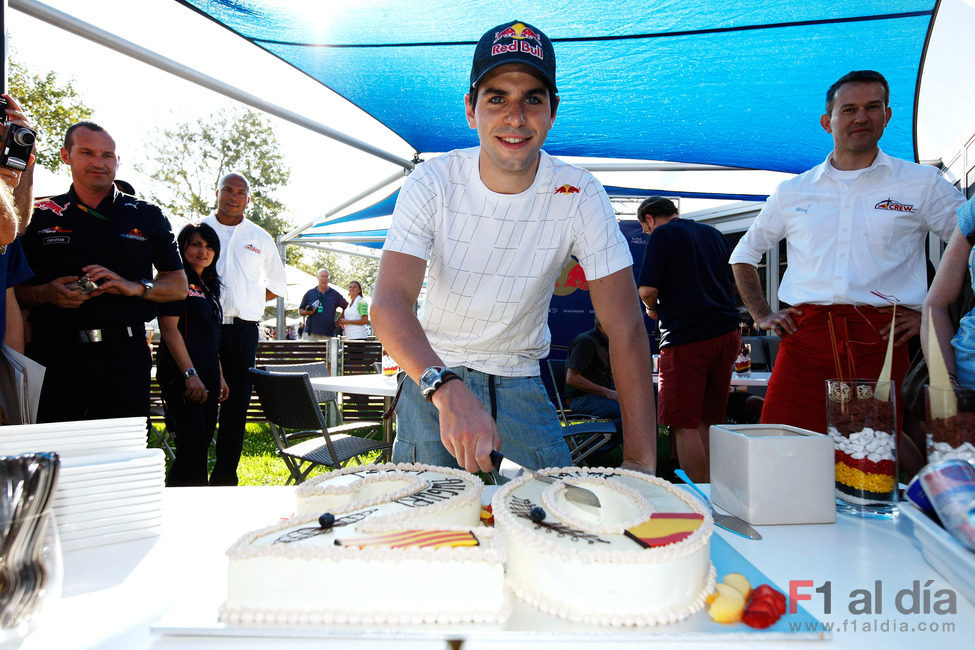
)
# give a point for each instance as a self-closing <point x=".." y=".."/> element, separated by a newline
<point x="110" y="486"/>
<point x="103" y="499"/>
<point x="73" y="439"/>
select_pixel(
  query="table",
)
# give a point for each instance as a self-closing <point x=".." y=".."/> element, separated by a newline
<point x="114" y="594"/>
<point x="370" y="384"/>
<point x="751" y="379"/>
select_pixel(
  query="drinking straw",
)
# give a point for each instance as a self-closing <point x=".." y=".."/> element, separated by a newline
<point x="836" y="354"/>
<point x="941" y="394"/>
<point x="882" y="392"/>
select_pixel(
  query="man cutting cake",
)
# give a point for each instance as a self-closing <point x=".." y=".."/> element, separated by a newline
<point x="496" y="223"/>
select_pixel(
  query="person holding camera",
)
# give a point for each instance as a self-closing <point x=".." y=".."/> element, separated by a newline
<point x="320" y="305"/>
<point x="17" y="172"/>
<point x="93" y="250"/>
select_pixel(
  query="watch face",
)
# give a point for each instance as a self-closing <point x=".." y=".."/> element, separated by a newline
<point x="431" y="378"/>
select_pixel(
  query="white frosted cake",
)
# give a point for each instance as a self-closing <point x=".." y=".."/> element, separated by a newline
<point x="380" y="544"/>
<point x="642" y="558"/>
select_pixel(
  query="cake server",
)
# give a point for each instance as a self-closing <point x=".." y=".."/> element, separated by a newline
<point x="572" y="493"/>
<point x="728" y="522"/>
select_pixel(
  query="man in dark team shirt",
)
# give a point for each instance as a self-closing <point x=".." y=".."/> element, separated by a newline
<point x="93" y="250"/>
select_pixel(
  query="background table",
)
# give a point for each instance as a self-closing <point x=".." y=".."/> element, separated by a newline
<point x="114" y="594"/>
<point x="751" y="379"/>
<point x="371" y="384"/>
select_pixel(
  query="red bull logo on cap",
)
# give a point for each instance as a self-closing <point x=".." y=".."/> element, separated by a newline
<point x="48" y="204"/>
<point x="567" y="189"/>
<point x="520" y="36"/>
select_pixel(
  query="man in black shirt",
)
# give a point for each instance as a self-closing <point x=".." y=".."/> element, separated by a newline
<point x="93" y="250"/>
<point x="685" y="282"/>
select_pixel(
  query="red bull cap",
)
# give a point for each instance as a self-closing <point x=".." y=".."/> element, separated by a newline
<point x="514" y="42"/>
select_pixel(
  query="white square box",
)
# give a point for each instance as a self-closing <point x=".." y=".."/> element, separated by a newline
<point x="773" y="474"/>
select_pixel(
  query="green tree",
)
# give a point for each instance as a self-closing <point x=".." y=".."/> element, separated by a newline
<point x="189" y="158"/>
<point x="344" y="268"/>
<point x="50" y="105"/>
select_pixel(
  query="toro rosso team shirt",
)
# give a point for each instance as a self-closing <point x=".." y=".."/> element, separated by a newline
<point x="848" y="234"/>
<point x="122" y="233"/>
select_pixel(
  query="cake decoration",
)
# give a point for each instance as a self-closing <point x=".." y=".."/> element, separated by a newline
<point x="554" y="564"/>
<point x="665" y="528"/>
<point x="413" y="539"/>
<point x="379" y="531"/>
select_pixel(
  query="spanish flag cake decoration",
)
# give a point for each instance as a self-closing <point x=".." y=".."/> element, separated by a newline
<point x="413" y="539"/>
<point x="665" y="528"/>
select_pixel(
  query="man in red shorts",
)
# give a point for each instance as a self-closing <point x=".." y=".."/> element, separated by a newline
<point x="685" y="282"/>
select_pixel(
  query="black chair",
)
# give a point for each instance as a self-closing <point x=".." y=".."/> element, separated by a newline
<point x="301" y="435"/>
<point x="314" y="369"/>
<point x="584" y="434"/>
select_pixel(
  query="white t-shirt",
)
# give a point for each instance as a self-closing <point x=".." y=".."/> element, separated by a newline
<point x="850" y="234"/>
<point x="493" y="259"/>
<point x="248" y="264"/>
<point x="355" y="311"/>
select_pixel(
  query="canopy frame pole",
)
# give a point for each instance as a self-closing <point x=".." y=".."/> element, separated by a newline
<point x="659" y="166"/>
<point x="358" y="197"/>
<point x="85" y="30"/>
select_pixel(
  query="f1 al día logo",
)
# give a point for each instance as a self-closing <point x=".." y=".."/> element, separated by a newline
<point x="915" y="607"/>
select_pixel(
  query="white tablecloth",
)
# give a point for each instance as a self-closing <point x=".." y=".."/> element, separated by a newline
<point x="114" y="594"/>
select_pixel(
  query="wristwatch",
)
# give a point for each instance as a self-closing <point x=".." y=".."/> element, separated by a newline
<point x="190" y="373"/>
<point x="433" y="378"/>
<point x="147" y="287"/>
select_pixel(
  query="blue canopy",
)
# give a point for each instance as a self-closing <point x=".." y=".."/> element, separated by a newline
<point x="739" y="83"/>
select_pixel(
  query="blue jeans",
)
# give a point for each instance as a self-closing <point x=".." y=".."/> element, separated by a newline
<point x="531" y="434"/>
<point x="597" y="405"/>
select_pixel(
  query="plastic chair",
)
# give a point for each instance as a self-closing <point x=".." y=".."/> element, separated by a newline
<point x="302" y="437"/>
<point x="584" y="434"/>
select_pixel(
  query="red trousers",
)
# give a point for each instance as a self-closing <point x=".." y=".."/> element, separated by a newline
<point x="797" y="389"/>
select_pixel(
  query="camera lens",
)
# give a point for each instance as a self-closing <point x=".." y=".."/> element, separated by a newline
<point x="23" y="137"/>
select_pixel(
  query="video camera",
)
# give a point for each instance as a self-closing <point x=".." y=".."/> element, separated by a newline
<point x="16" y="141"/>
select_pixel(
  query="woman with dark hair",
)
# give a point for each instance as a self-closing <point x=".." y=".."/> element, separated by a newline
<point x="355" y="318"/>
<point x="188" y="364"/>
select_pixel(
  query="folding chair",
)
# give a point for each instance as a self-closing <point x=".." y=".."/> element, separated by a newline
<point x="290" y="405"/>
<point x="584" y="434"/>
<point x="315" y="369"/>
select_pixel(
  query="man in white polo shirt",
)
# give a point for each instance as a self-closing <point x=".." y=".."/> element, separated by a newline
<point x="496" y="223"/>
<point x="855" y="227"/>
<point x="251" y="273"/>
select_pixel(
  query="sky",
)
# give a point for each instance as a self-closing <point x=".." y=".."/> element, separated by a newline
<point x="131" y="98"/>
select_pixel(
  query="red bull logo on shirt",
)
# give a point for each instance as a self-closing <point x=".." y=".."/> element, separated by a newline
<point x="572" y="277"/>
<point x="897" y="206"/>
<point x="136" y="234"/>
<point x="567" y="189"/>
<point x="252" y="248"/>
<point x="48" y="204"/>
<point x="520" y="36"/>
<point x="195" y="291"/>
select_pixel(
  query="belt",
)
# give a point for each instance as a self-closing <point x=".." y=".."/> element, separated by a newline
<point x="117" y="333"/>
<point x="233" y="320"/>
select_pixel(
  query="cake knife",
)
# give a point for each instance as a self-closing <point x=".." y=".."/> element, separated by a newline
<point x="728" y="522"/>
<point x="572" y="492"/>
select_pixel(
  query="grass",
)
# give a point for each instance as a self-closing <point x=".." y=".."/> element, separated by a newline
<point x="259" y="462"/>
